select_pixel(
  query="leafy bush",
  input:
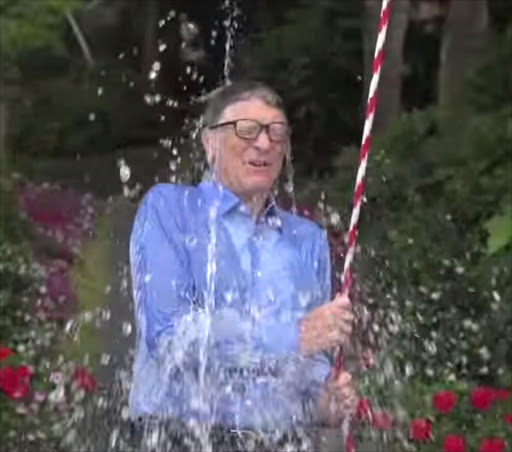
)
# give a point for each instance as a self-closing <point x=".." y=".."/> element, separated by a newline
<point x="86" y="115"/>
<point x="40" y="396"/>
<point x="449" y="417"/>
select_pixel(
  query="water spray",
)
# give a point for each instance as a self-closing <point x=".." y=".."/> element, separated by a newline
<point x="361" y="172"/>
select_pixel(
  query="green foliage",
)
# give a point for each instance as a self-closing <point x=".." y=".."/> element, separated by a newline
<point x="499" y="229"/>
<point x="86" y="115"/>
<point x="415" y="400"/>
<point x="435" y="266"/>
<point x="90" y="278"/>
<point x="28" y="24"/>
<point x="315" y="60"/>
<point x="17" y="270"/>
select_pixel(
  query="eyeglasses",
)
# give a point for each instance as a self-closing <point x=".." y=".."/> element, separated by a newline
<point x="250" y="129"/>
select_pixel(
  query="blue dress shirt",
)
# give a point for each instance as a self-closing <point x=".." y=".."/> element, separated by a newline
<point x="218" y="297"/>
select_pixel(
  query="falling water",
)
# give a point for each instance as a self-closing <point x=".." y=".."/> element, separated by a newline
<point x="110" y="408"/>
<point x="230" y="25"/>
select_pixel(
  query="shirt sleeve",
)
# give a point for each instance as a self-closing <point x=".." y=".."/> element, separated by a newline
<point x="162" y="285"/>
<point x="319" y="365"/>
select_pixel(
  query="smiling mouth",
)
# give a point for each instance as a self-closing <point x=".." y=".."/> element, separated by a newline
<point x="259" y="163"/>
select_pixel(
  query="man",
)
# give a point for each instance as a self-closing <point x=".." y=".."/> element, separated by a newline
<point x="232" y="294"/>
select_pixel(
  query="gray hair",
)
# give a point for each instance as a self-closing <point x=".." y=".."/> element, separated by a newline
<point x="236" y="92"/>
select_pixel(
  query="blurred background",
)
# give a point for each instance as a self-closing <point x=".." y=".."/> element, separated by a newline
<point x="100" y="99"/>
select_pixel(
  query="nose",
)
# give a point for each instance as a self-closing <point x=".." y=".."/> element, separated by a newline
<point x="262" y="141"/>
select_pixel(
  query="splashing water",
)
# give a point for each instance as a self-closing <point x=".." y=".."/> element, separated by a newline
<point x="105" y="423"/>
<point x="231" y="25"/>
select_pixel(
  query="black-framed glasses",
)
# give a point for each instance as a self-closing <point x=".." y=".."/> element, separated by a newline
<point x="250" y="129"/>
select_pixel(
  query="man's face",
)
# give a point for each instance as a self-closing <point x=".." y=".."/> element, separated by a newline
<point x="248" y="167"/>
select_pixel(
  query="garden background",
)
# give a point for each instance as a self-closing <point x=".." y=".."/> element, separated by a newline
<point x="100" y="99"/>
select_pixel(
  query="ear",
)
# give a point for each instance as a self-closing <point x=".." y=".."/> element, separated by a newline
<point x="208" y="145"/>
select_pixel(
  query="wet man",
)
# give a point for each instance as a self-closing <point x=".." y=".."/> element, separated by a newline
<point x="233" y="299"/>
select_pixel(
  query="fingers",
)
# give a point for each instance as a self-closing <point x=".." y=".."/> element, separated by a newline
<point x="344" y="319"/>
<point x="342" y="300"/>
<point x="343" y="379"/>
<point x="344" y="393"/>
<point x="327" y="326"/>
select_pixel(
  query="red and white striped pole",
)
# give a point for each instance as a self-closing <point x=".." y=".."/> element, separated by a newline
<point x="371" y="106"/>
<point x="363" y="156"/>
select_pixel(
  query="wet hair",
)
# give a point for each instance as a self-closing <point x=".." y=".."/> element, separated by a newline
<point x="236" y="92"/>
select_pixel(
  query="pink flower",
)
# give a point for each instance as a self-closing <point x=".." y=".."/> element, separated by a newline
<point x="57" y="378"/>
<point x="15" y="381"/>
<point x="39" y="396"/>
<point x="5" y="352"/>
<point x="350" y="443"/>
<point x="482" y="397"/>
<point x="454" y="443"/>
<point x="492" y="445"/>
<point x="508" y="418"/>
<point x="382" y="420"/>
<point x="420" y="430"/>
<point x="444" y="401"/>
<point x="84" y="379"/>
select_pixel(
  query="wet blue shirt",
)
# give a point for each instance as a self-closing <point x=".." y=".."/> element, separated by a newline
<point x="218" y="299"/>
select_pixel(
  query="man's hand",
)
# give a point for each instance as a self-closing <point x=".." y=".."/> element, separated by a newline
<point x="337" y="400"/>
<point x="327" y="326"/>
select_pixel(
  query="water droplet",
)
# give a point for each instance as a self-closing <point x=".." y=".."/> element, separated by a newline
<point x="105" y="315"/>
<point x="105" y="359"/>
<point x="92" y="116"/>
<point x="124" y="171"/>
<point x="113" y="438"/>
<point x="191" y="241"/>
<point x="125" y="413"/>
<point x="86" y="316"/>
<point x="304" y="298"/>
<point x="100" y="91"/>
<point x="127" y="328"/>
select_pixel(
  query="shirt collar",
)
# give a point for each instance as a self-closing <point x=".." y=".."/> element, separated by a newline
<point x="216" y="192"/>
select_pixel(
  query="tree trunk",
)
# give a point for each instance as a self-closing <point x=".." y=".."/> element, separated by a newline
<point x="464" y="40"/>
<point x="390" y="86"/>
<point x="4" y="156"/>
<point x="149" y="44"/>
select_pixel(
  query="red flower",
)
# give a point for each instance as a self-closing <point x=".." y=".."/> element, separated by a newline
<point x="350" y="443"/>
<point x="84" y="379"/>
<point x="382" y="420"/>
<point x="454" y="443"/>
<point x="420" y="429"/>
<point x="364" y="409"/>
<point x="15" y="382"/>
<point x="492" y="445"/>
<point x="5" y="352"/>
<point x="482" y="397"/>
<point x="508" y="418"/>
<point x="444" y="401"/>
<point x="502" y="394"/>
